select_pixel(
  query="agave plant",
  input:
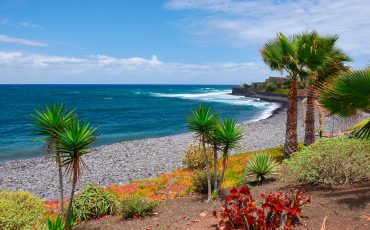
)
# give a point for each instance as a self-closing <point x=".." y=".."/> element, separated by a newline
<point x="75" y="143"/>
<point x="347" y="96"/>
<point x="48" y="124"/>
<point x="203" y="122"/>
<point x="260" y="166"/>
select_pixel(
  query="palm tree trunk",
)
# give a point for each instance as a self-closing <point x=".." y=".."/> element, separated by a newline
<point x="291" y="142"/>
<point x="69" y="210"/>
<point x="224" y="161"/>
<point x="309" y="135"/>
<point x="207" y="169"/>
<point x="215" y="163"/>
<point x="60" y="174"/>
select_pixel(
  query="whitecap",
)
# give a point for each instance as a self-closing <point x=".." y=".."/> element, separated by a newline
<point x="220" y="96"/>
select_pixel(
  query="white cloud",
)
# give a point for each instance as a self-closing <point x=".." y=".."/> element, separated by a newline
<point x="250" y="23"/>
<point x="30" y="25"/>
<point x="6" y="21"/>
<point x="20" y="41"/>
<point x="26" y="66"/>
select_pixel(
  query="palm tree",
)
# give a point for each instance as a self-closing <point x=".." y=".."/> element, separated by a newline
<point x="49" y="123"/>
<point x="203" y="122"/>
<point x="322" y="59"/>
<point x="74" y="143"/>
<point x="281" y="54"/>
<point x="348" y="95"/>
<point x="229" y="135"/>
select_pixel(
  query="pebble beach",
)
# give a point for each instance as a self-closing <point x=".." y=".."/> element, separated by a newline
<point x="121" y="162"/>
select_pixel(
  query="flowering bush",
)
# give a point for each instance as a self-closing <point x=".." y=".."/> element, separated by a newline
<point x="194" y="157"/>
<point x="278" y="211"/>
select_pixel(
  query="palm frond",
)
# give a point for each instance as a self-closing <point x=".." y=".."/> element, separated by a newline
<point x="348" y="94"/>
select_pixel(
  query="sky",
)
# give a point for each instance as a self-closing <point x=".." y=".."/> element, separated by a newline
<point x="164" y="41"/>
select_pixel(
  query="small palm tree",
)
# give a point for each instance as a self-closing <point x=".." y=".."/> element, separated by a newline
<point x="348" y="95"/>
<point x="49" y="123"/>
<point x="203" y="122"/>
<point x="229" y="134"/>
<point x="74" y="143"/>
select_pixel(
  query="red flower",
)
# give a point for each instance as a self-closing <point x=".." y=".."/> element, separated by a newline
<point x="244" y="190"/>
<point x="233" y="191"/>
<point x="214" y="213"/>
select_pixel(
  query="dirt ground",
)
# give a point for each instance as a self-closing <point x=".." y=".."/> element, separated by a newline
<point x="345" y="207"/>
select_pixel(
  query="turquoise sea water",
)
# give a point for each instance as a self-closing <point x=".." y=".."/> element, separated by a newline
<point x="121" y="112"/>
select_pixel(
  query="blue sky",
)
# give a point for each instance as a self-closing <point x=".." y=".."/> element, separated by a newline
<point x="163" y="42"/>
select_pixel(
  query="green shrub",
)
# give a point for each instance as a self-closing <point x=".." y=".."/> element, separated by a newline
<point x="93" y="202"/>
<point x="330" y="162"/>
<point x="286" y="84"/>
<point x="271" y="86"/>
<point x="194" y="157"/>
<point x="135" y="206"/>
<point x="199" y="181"/>
<point x="260" y="166"/>
<point x="21" y="210"/>
<point x="56" y="224"/>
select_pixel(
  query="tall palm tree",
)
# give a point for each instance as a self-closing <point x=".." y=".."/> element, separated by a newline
<point x="348" y="95"/>
<point x="229" y="135"/>
<point x="49" y="123"/>
<point x="74" y="143"/>
<point x="322" y="59"/>
<point x="203" y="122"/>
<point x="281" y="54"/>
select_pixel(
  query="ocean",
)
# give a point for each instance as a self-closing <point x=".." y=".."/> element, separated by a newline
<point x="121" y="112"/>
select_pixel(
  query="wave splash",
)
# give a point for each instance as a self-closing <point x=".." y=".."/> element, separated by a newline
<point x="224" y="96"/>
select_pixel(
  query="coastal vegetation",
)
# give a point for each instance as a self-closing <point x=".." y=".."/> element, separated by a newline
<point x="220" y="135"/>
<point x="50" y="123"/>
<point x="307" y="57"/>
<point x="194" y="157"/>
<point x="260" y="166"/>
<point x="330" y="162"/>
<point x="138" y="206"/>
<point x="21" y="210"/>
<point x="69" y="139"/>
<point x="94" y="202"/>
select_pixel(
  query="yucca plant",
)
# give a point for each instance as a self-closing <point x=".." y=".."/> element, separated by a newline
<point x="347" y="96"/>
<point x="203" y="122"/>
<point x="75" y="143"/>
<point x="228" y="134"/>
<point x="260" y="166"/>
<point x="49" y="124"/>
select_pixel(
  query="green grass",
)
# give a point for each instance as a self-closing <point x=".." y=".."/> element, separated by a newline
<point x="281" y="91"/>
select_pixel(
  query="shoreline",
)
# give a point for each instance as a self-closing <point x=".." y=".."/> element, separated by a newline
<point x="281" y="106"/>
<point x="122" y="162"/>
